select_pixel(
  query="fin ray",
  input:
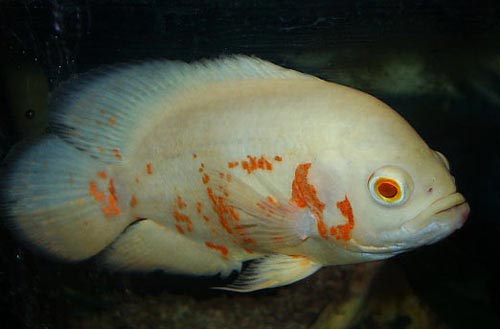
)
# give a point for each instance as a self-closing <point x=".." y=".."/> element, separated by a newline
<point x="273" y="271"/>
<point x="100" y="110"/>
<point x="46" y="199"/>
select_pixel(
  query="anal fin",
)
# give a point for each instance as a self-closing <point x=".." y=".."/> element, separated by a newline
<point x="273" y="271"/>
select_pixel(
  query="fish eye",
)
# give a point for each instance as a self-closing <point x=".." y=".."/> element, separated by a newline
<point x="390" y="186"/>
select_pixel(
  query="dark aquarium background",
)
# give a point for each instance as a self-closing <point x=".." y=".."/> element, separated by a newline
<point x="436" y="62"/>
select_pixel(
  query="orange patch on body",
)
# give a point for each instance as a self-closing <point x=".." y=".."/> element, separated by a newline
<point x="272" y="200"/>
<point x="179" y="228"/>
<point x="179" y="217"/>
<point x="102" y="174"/>
<point x="306" y="195"/>
<point x="232" y="164"/>
<point x="133" y="201"/>
<point x="224" y="212"/>
<point x="343" y="231"/>
<point x="180" y="203"/>
<point x="222" y="249"/>
<point x="149" y="168"/>
<point x="94" y="191"/>
<point x="205" y="178"/>
<point x="111" y="208"/>
<point x="253" y="163"/>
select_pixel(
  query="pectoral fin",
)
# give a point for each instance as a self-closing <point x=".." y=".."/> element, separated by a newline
<point x="273" y="271"/>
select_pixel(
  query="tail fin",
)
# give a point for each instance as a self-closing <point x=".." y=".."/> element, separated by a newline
<point x="62" y="201"/>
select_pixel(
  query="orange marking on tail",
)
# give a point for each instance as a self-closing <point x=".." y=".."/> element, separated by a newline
<point x="222" y="249"/>
<point x="205" y="179"/>
<point x="149" y="168"/>
<point x="278" y="158"/>
<point x="102" y="174"/>
<point x="112" y="121"/>
<point x="306" y="195"/>
<point x="117" y="153"/>
<point x="232" y="164"/>
<point x="199" y="206"/>
<point x="343" y="231"/>
<point x="99" y="196"/>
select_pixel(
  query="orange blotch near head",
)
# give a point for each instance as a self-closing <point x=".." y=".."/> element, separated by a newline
<point x="343" y="231"/>
<point x="305" y="194"/>
<point x="222" y="249"/>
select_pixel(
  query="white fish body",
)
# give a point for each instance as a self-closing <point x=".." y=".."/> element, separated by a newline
<point x="196" y="168"/>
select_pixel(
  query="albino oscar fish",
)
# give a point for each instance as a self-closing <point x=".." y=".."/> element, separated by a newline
<point x="196" y="168"/>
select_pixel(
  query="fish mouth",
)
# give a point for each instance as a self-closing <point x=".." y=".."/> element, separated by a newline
<point x="436" y="222"/>
<point x="446" y="214"/>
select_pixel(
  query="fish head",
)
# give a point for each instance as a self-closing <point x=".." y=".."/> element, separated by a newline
<point x="408" y="205"/>
<point x="401" y="193"/>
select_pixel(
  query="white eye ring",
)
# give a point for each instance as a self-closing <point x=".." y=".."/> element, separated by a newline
<point x="390" y="186"/>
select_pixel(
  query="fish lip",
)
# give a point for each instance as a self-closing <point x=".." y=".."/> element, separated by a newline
<point x="437" y="221"/>
<point x="439" y="212"/>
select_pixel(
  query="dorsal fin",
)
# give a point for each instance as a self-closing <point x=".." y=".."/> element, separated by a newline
<point x="98" y="111"/>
